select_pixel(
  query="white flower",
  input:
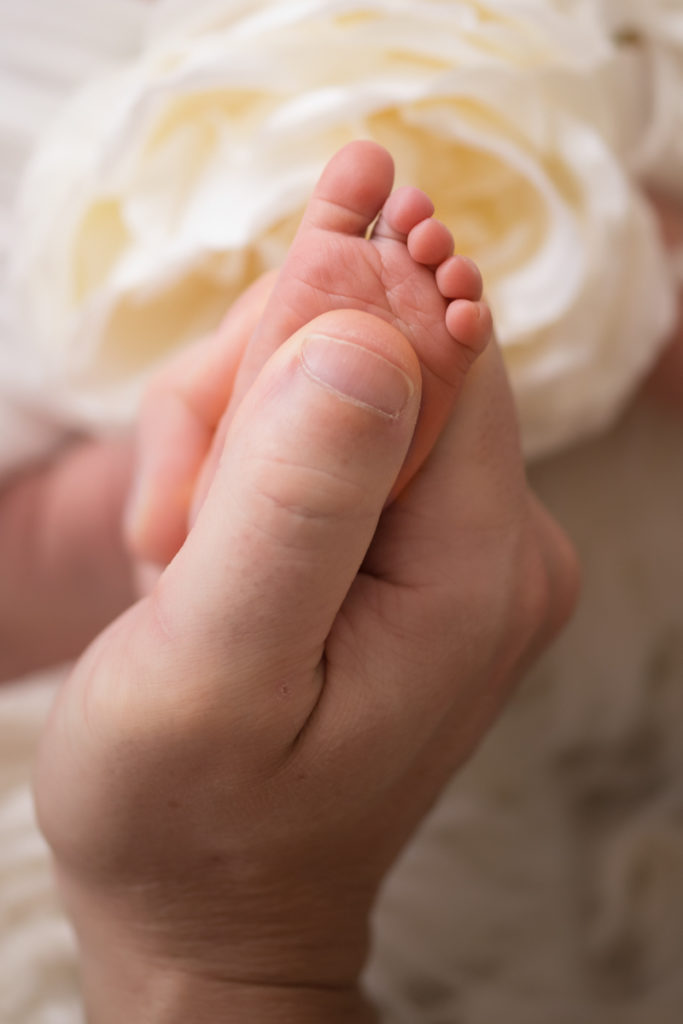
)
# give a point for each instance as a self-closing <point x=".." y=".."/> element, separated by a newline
<point x="167" y="189"/>
<point x="651" y="31"/>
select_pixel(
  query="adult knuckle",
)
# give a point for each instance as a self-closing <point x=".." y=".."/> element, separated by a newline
<point x="301" y="494"/>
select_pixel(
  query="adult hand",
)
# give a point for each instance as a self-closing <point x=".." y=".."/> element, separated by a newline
<point x="181" y="433"/>
<point x="236" y="762"/>
<point x="65" y="571"/>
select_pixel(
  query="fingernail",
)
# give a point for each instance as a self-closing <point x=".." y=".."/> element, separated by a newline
<point x="356" y="374"/>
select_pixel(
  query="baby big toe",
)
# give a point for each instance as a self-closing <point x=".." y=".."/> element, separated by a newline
<point x="352" y="189"/>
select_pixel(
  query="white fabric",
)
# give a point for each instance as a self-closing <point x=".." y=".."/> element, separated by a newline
<point x="164" y="190"/>
<point x="47" y="51"/>
<point x="38" y="969"/>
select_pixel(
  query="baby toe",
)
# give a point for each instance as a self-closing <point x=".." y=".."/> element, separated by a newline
<point x="459" y="278"/>
<point x="470" y="323"/>
<point x="352" y="189"/>
<point x="404" y="208"/>
<point x="430" y="242"/>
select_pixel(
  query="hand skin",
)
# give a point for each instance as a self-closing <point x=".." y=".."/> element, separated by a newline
<point x="183" y="425"/>
<point x="182" y="429"/>
<point x="235" y="763"/>
<point x="65" y="571"/>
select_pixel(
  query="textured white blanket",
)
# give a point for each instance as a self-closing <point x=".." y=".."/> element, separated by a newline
<point x="38" y="982"/>
<point x="46" y="52"/>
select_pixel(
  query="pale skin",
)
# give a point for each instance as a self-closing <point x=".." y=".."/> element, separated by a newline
<point x="65" y="515"/>
<point x="65" y="569"/>
<point x="308" y="639"/>
<point x="235" y="763"/>
<point x="399" y="266"/>
<point x="44" y="617"/>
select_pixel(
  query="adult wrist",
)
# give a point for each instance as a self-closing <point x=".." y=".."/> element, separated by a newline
<point x="172" y="997"/>
<point x="126" y="976"/>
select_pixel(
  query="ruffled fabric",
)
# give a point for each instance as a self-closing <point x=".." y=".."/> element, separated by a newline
<point x="653" y="31"/>
<point x="47" y="52"/>
<point x="139" y="227"/>
<point x="38" y="966"/>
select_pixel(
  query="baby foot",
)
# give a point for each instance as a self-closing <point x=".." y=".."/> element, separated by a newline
<point x="403" y="271"/>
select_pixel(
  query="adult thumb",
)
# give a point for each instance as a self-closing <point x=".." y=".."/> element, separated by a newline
<point x="309" y="460"/>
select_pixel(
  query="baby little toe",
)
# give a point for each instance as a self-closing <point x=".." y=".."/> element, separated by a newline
<point x="470" y="323"/>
